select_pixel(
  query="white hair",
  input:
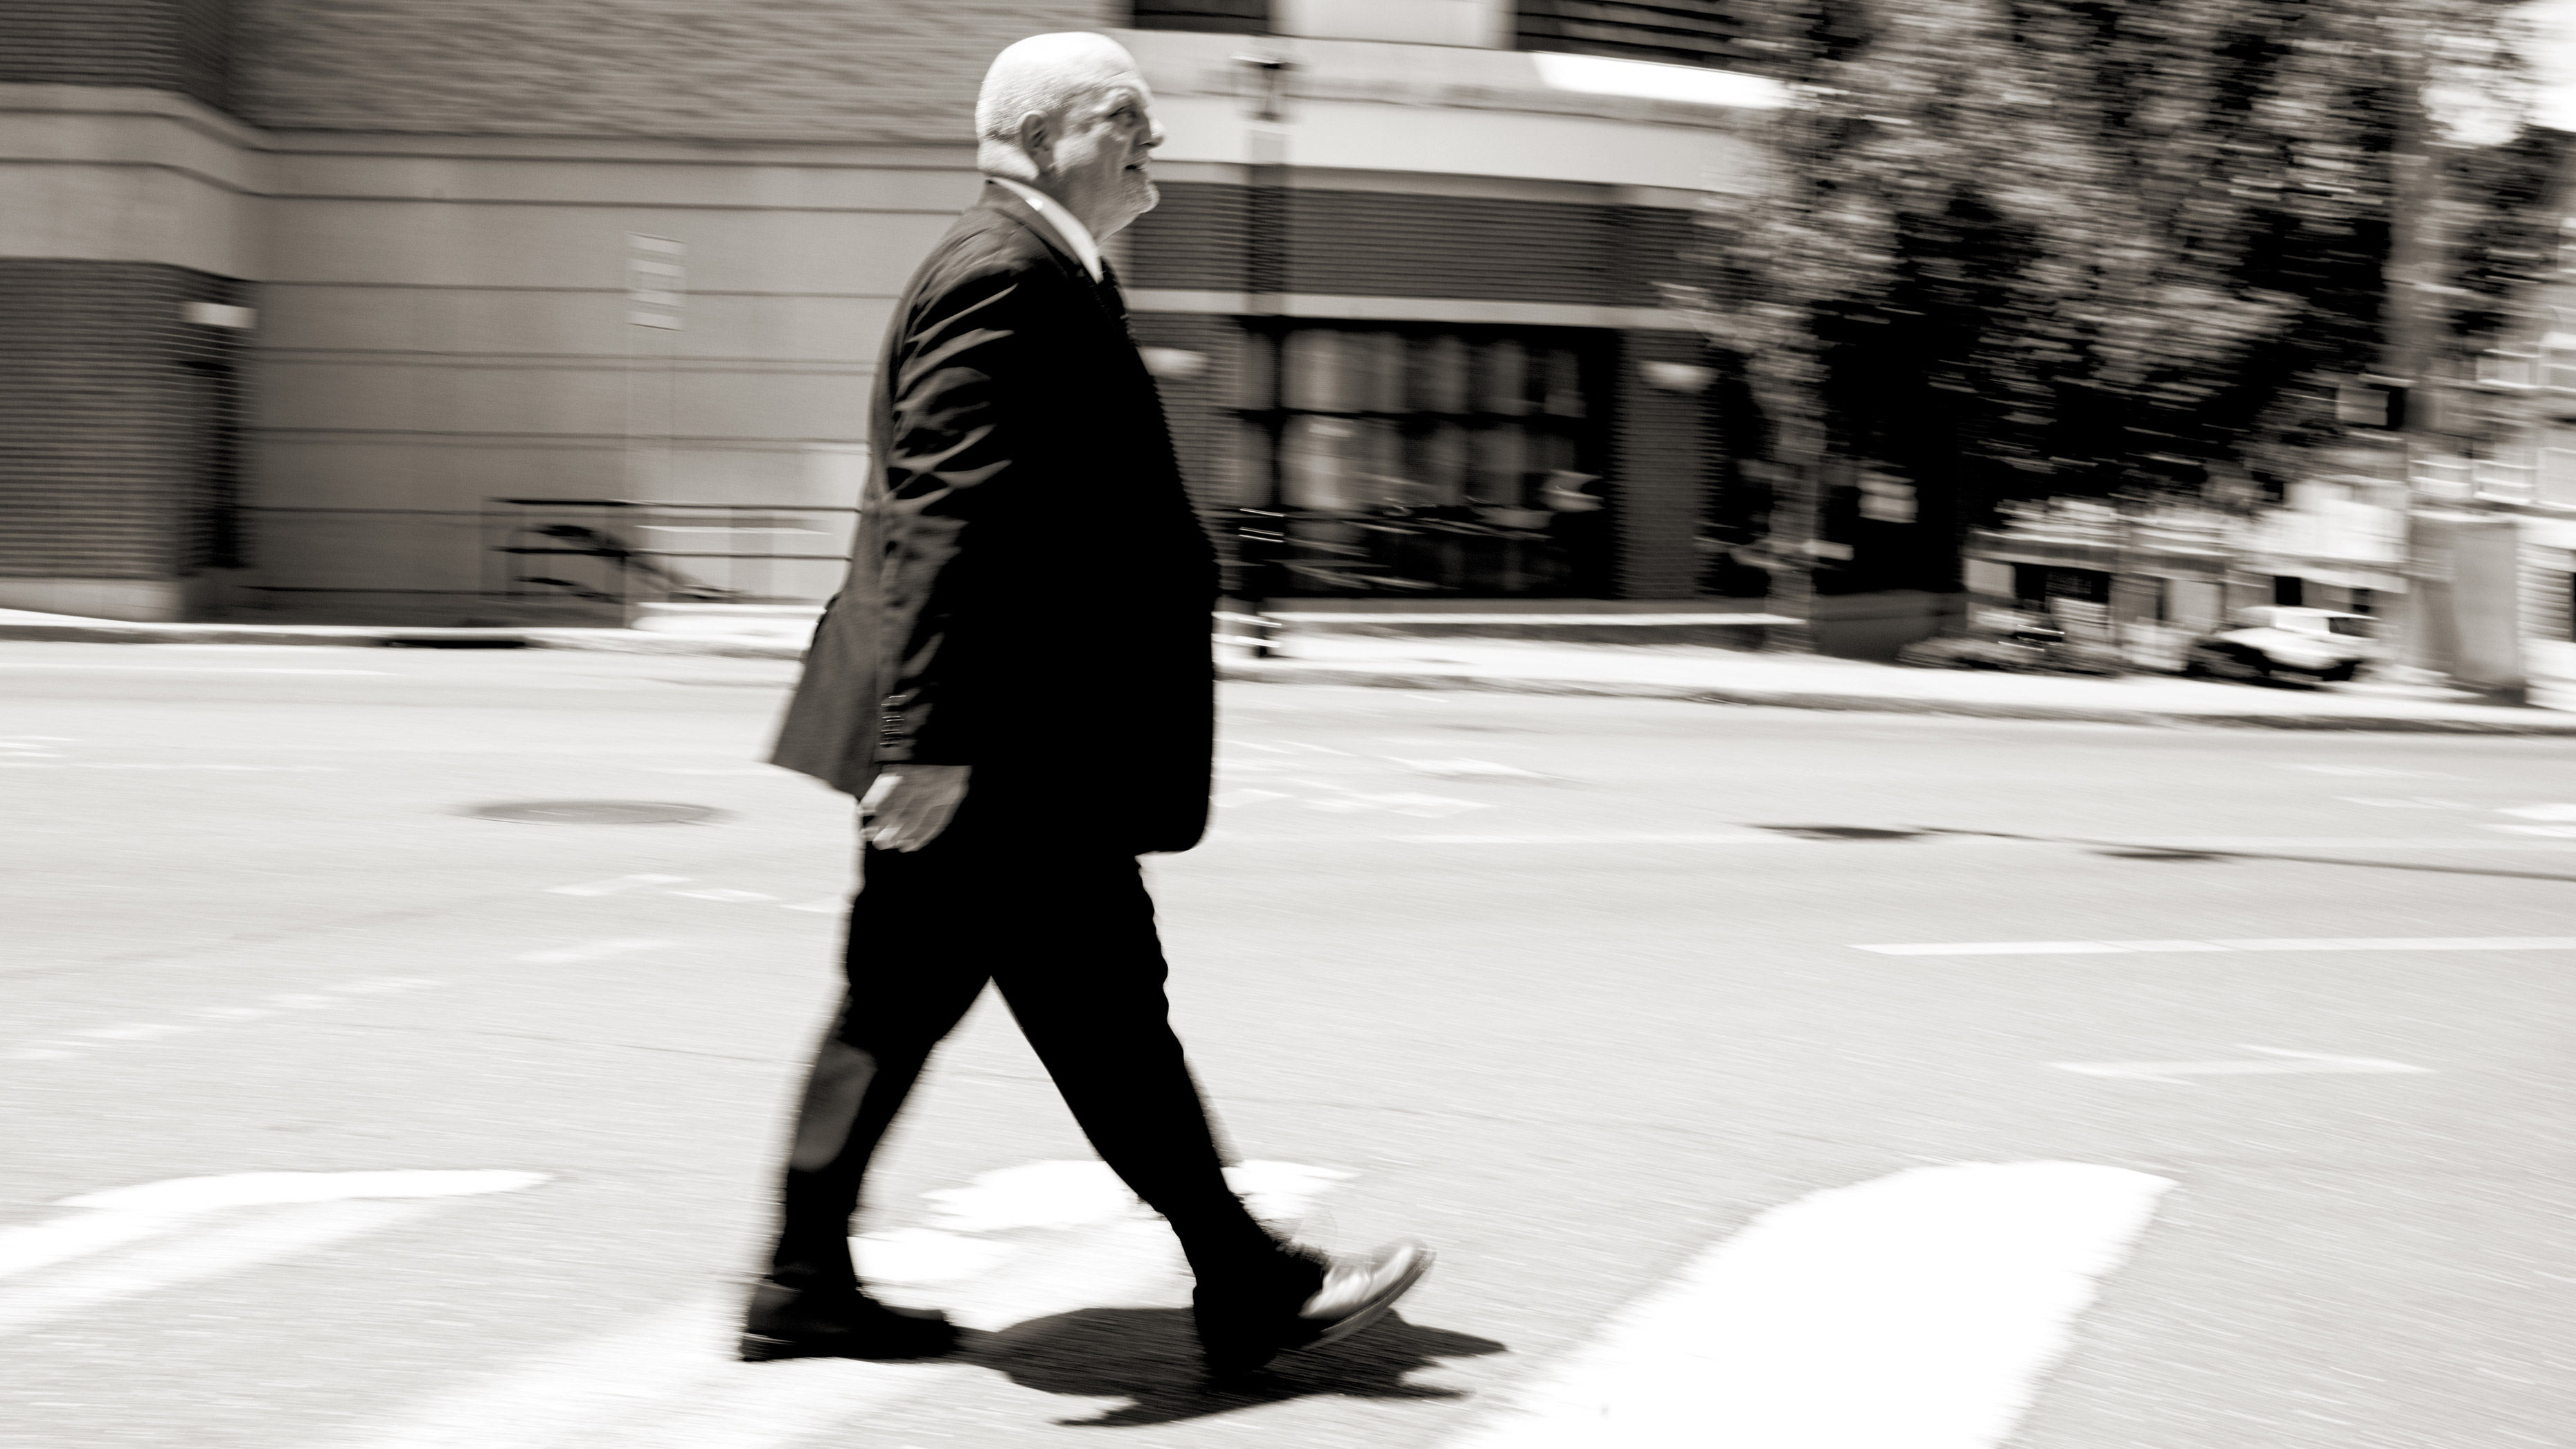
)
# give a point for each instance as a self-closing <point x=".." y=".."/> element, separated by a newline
<point x="1045" y="74"/>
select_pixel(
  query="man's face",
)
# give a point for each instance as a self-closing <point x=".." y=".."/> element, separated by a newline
<point x="1100" y="162"/>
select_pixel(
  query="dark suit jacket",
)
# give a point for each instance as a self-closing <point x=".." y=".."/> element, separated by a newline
<point x="1030" y="593"/>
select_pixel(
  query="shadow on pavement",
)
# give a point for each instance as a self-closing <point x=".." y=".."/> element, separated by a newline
<point x="2117" y="851"/>
<point x="1150" y="1357"/>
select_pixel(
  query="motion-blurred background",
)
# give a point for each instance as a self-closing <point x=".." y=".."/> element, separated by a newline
<point x="1888" y="318"/>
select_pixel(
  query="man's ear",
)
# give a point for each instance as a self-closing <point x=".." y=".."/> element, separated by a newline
<point x="1037" y="140"/>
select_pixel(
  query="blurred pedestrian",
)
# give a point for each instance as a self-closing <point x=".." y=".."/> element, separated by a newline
<point x="1014" y="756"/>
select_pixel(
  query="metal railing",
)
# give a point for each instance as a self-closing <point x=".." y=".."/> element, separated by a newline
<point x="617" y="552"/>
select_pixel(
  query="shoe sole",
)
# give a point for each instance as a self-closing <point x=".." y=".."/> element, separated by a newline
<point x="1376" y="1308"/>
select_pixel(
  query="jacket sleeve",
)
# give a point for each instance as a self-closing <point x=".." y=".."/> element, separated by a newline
<point x="958" y="417"/>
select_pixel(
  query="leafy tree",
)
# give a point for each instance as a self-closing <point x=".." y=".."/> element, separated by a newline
<point x="2031" y="248"/>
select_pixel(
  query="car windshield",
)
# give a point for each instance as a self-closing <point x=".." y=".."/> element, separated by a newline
<point x="2356" y="628"/>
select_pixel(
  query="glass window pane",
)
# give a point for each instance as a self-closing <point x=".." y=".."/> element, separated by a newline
<point x="1550" y="453"/>
<point x="1317" y="457"/>
<point x="1315" y="371"/>
<point x="1256" y="380"/>
<point x="1500" y="467"/>
<point x="1561" y="391"/>
<point x="1376" y="455"/>
<point x="1439" y="381"/>
<point x="1377" y="371"/>
<point x="1438" y="458"/>
<point x="1253" y="451"/>
<point x="1502" y="379"/>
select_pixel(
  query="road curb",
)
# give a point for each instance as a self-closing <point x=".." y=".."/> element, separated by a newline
<point x="374" y="636"/>
<point x="1267" y="673"/>
<point x="631" y="641"/>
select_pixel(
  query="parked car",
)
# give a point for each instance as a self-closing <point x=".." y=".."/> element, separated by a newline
<point x="2022" y="643"/>
<point x="2280" y="643"/>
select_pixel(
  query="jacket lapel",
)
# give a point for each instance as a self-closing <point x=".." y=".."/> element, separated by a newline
<point x="1104" y="292"/>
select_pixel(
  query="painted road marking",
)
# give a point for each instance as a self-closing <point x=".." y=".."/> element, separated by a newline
<point x="2376" y="772"/>
<point x="1463" y="768"/>
<point x="672" y="1383"/>
<point x="2540" y="812"/>
<point x="613" y="886"/>
<point x="1956" y="842"/>
<point x="2284" y="1063"/>
<point x="320" y="1208"/>
<point x="1597" y="837"/>
<point x="200" y="669"/>
<point x="250" y="769"/>
<point x="73" y="1043"/>
<point x="1399" y="802"/>
<point x="722" y="895"/>
<point x="1917" y="1311"/>
<point x="590" y="951"/>
<point x="2276" y="943"/>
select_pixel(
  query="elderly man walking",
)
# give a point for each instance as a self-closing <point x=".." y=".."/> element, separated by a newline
<point x="1013" y="761"/>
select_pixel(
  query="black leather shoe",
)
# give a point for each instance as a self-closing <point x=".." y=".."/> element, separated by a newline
<point x="1303" y="1299"/>
<point x="784" y="1322"/>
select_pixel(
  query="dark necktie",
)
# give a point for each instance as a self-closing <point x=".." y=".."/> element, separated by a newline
<point x="1110" y="296"/>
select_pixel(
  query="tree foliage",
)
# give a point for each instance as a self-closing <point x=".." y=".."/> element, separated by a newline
<point x="2030" y="248"/>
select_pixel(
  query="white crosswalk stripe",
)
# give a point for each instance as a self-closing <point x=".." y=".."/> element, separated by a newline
<point x="673" y="1382"/>
<point x="215" y="1225"/>
<point x="1917" y="1311"/>
<point x="2265" y="943"/>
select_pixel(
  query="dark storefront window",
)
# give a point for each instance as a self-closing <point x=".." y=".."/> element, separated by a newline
<point x="1426" y="461"/>
<point x="1673" y="32"/>
<point x="1222" y="17"/>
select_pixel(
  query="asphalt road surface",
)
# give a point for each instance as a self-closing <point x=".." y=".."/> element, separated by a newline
<point x="1766" y="1079"/>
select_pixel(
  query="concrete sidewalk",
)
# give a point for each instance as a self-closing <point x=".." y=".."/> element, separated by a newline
<point x="70" y="629"/>
<point x="1720" y="676"/>
<point x="1679" y="672"/>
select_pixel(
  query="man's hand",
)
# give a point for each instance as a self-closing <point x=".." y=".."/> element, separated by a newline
<point x="910" y="804"/>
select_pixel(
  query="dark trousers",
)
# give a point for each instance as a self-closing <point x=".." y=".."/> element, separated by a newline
<point x="1010" y="892"/>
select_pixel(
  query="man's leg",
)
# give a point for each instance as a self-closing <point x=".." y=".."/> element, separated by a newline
<point x="1085" y="983"/>
<point x="1088" y="991"/>
<point x="914" y="968"/>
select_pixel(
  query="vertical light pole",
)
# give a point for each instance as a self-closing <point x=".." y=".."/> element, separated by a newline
<point x="1261" y="534"/>
<point x="657" y="281"/>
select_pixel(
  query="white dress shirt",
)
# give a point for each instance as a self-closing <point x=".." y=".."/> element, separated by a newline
<point x="1075" y="234"/>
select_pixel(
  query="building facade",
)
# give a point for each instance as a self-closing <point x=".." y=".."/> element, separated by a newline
<point x="391" y="313"/>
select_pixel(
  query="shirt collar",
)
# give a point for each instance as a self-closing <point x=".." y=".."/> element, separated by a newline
<point x="1075" y="234"/>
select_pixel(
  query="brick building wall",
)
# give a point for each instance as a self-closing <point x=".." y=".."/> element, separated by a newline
<point x="119" y="450"/>
<point x="860" y="70"/>
<point x="173" y="45"/>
